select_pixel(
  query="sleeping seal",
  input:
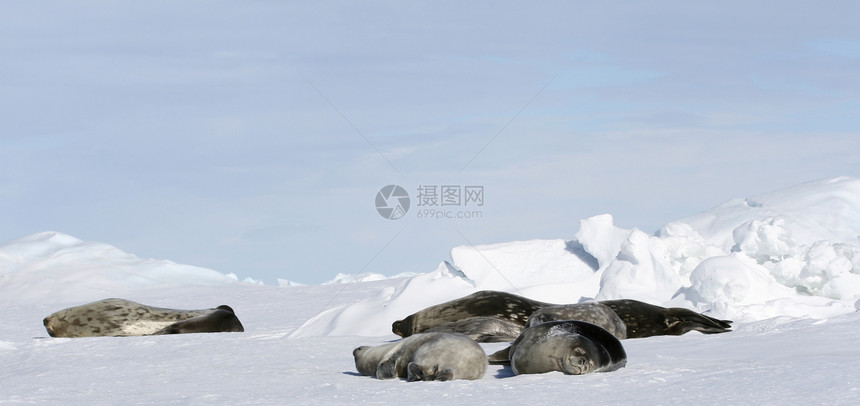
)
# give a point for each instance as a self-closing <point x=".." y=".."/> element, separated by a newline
<point x="486" y="303"/>
<point x="572" y="347"/>
<point x="423" y="357"/>
<point x="120" y="317"/>
<point x="640" y="319"/>
<point x="591" y="312"/>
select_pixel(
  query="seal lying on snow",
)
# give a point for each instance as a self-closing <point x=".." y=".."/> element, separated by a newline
<point x="120" y="317"/>
<point x="423" y="357"/>
<point x="572" y="347"/>
<point x="486" y="303"/>
<point x="640" y="319"/>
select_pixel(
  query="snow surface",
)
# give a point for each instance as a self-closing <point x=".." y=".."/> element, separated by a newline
<point x="784" y="265"/>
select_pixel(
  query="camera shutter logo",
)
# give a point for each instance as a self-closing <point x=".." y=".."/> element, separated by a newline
<point x="392" y="202"/>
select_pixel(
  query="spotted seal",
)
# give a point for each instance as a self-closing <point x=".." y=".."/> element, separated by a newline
<point x="486" y="303"/>
<point x="572" y="347"/>
<point x="120" y="317"/>
<point x="423" y="357"/>
<point x="640" y="319"/>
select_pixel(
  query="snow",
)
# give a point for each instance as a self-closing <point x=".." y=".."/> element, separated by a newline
<point x="784" y="265"/>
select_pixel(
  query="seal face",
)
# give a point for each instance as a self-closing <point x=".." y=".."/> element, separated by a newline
<point x="591" y="312"/>
<point x="572" y="347"/>
<point x="423" y="357"/>
<point x="119" y="317"/>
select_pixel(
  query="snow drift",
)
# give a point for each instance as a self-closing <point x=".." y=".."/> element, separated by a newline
<point x="51" y="267"/>
<point x="792" y="252"/>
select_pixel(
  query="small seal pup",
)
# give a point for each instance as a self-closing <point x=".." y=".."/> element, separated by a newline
<point x="423" y="357"/>
<point x="592" y="312"/>
<point x="572" y="347"/>
<point x="646" y="320"/>
<point x="119" y="317"/>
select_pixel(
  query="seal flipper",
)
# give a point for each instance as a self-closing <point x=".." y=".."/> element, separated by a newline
<point x="500" y="357"/>
<point x="417" y="372"/>
<point x="387" y="369"/>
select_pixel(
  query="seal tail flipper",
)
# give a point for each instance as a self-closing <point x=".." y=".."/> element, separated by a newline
<point x="415" y="372"/>
<point x="421" y="373"/>
<point x="446" y="374"/>
<point x="500" y="357"/>
<point x="387" y="369"/>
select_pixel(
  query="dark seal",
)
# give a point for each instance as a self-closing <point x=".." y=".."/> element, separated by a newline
<point x="486" y="303"/>
<point x="470" y="315"/>
<point x="646" y="320"/>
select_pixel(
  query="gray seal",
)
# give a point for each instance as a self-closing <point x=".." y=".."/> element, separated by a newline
<point x="423" y="357"/>
<point x="119" y="317"/>
<point x="592" y="312"/>
<point x="572" y="347"/>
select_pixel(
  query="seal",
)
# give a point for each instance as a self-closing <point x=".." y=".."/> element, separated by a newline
<point x="423" y="357"/>
<point x="486" y="303"/>
<point x="646" y="320"/>
<point x="640" y="319"/>
<point x="572" y="347"/>
<point x="119" y="317"/>
<point x="592" y="312"/>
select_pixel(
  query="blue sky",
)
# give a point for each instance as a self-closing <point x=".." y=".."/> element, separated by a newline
<point x="252" y="137"/>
